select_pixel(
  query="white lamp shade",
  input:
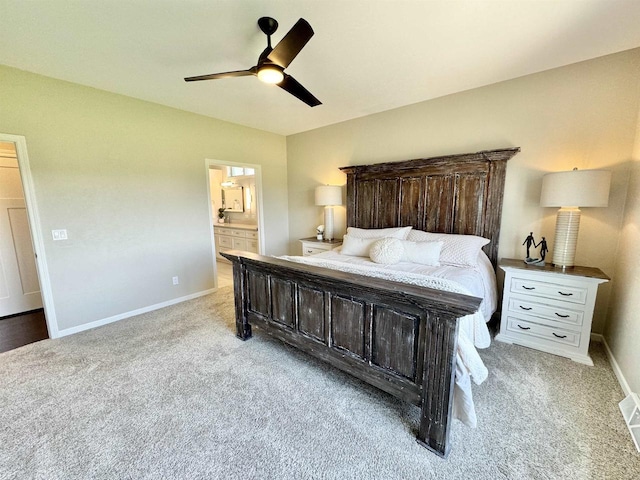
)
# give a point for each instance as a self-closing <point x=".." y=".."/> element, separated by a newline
<point x="577" y="188"/>
<point x="328" y="195"/>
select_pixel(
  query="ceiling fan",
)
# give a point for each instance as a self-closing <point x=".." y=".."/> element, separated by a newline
<point x="273" y="61"/>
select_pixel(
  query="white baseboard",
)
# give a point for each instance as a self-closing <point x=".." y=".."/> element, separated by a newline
<point x="616" y="369"/>
<point x="133" y="313"/>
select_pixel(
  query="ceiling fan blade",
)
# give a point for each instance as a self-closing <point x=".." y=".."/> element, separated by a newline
<point x="215" y="76"/>
<point x="285" y="51"/>
<point x="292" y="86"/>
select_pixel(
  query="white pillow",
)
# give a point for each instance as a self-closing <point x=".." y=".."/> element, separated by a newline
<point x="387" y="251"/>
<point x="458" y="250"/>
<point x="357" y="247"/>
<point x="396" y="232"/>
<point x="424" y="253"/>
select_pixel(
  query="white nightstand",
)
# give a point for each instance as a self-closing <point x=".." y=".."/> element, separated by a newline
<point x="548" y="308"/>
<point x="312" y="246"/>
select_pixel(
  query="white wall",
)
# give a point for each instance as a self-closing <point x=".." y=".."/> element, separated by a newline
<point x="582" y="115"/>
<point x="127" y="179"/>
<point x="622" y="333"/>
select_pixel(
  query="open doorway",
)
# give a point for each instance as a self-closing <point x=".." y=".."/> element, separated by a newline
<point x="22" y="318"/>
<point x="30" y="240"/>
<point x="235" y="209"/>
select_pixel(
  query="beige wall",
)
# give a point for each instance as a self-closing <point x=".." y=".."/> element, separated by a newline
<point x="127" y="179"/>
<point x="582" y="115"/>
<point x="623" y="328"/>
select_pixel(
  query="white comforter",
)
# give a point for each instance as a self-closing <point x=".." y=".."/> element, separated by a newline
<point x="479" y="281"/>
<point x="473" y="329"/>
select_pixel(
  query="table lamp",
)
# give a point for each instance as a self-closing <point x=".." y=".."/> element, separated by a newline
<point x="570" y="191"/>
<point x="328" y="196"/>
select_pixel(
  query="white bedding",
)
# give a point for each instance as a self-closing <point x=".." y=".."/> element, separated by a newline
<point x="479" y="282"/>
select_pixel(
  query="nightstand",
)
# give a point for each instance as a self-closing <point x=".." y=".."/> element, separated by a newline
<point x="548" y="308"/>
<point x="312" y="246"/>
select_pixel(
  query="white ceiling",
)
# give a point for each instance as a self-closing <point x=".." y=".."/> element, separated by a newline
<point x="367" y="56"/>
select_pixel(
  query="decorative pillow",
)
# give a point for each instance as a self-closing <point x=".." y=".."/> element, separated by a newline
<point x="387" y="251"/>
<point x="357" y="247"/>
<point x="424" y="253"/>
<point x="396" y="232"/>
<point x="458" y="250"/>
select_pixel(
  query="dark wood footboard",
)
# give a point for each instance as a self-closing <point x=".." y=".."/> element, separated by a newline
<point x="399" y="338"/>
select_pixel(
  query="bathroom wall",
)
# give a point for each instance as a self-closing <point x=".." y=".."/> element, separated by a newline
<point x="217" y="175"/>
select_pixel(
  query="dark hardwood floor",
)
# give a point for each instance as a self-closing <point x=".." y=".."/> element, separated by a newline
<point x="22" y="329"/>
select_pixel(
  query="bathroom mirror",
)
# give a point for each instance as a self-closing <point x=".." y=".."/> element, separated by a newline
<point x="233" y="199"/>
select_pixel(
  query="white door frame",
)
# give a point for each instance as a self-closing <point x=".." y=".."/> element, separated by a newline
<point x="34" y="227"/>
<point x="259" y="210"/>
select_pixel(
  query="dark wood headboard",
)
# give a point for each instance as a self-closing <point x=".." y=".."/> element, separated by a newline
<point x="448" y="194"/>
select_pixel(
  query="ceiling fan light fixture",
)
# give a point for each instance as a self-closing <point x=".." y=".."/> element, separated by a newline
<point x="270" y="74"/>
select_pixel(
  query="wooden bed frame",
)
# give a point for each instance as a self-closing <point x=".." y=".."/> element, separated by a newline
<point x="399" y="338"/>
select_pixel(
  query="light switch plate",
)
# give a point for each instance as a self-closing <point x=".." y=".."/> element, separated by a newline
<point x="59" y="234"/>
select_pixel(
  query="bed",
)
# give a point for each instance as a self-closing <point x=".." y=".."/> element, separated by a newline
<point x="401" y="338"/>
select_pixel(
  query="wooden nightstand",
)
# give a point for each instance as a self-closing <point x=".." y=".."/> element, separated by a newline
<point x="548" y="308"/>
<point x="312" y="246"/>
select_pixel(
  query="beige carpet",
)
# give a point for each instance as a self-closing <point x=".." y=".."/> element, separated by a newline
<point x="174" y="394"/>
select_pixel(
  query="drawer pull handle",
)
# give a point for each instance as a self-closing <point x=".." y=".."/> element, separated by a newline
<point x="525" y="308"/>
<point x="528" y="288"/>
<point x="565" y="294"/>
<point x="561" y="316"/>
<point x="559" y="336"/>
<point x="525" y="328"/>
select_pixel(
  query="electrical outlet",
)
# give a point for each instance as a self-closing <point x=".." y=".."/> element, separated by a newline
<point x="59" y="234"/>
<point x="176" y="281"/>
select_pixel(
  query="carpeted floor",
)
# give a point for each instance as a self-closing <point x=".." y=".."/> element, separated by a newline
<point x="174" y="394"/>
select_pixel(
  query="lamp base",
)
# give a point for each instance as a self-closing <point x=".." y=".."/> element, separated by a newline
<point x="328" y="223"/>
<point x="564" y="245"/>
